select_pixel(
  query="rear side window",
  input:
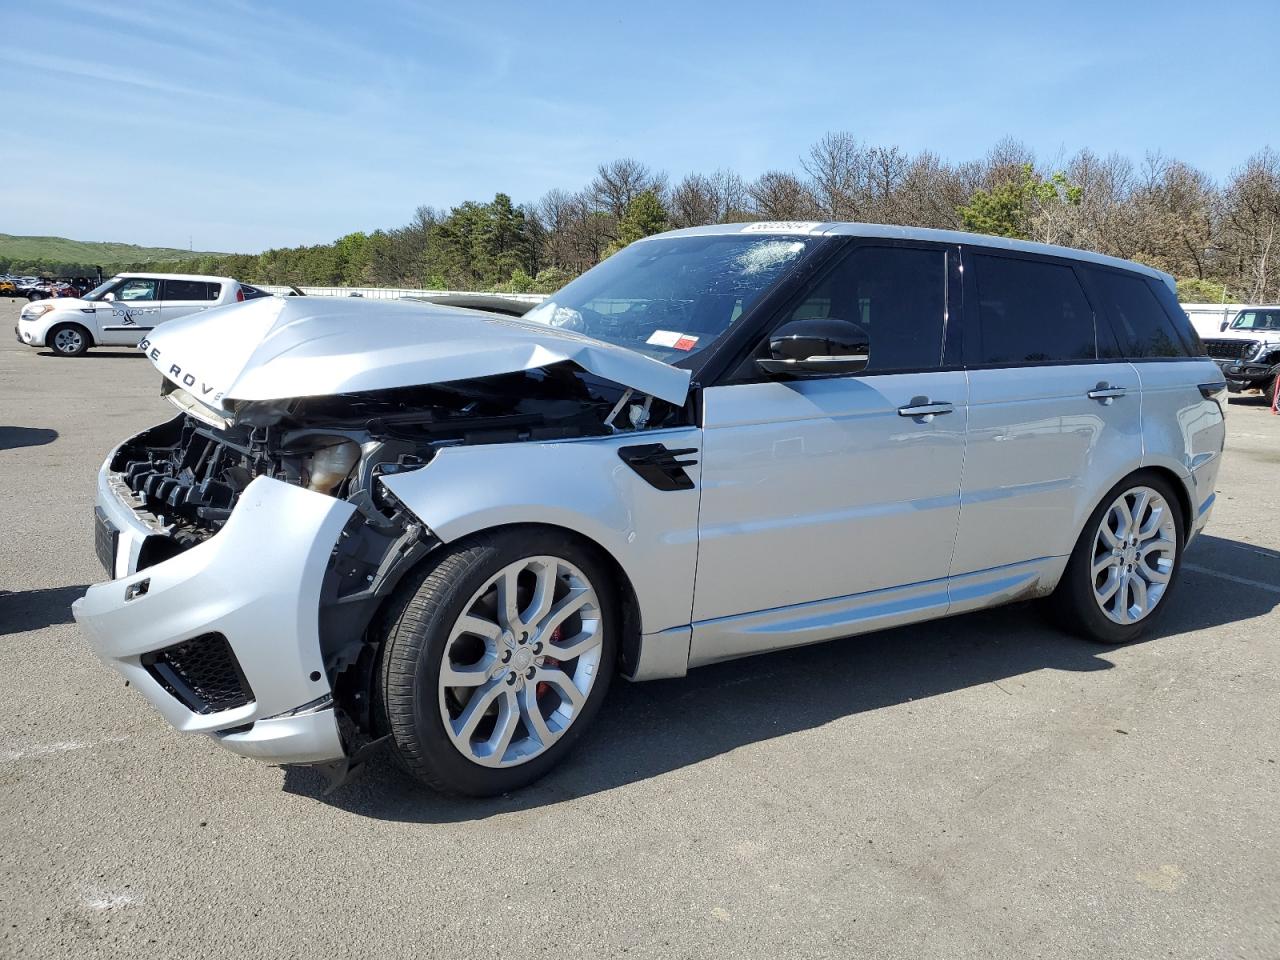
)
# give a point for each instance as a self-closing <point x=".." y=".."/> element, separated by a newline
<point x="1030" y="311"/>
<point x="896" y="294"/>
<point x="1140" y="323"/>
<point x="252" y="293"/>
<point x="189" y="290"/>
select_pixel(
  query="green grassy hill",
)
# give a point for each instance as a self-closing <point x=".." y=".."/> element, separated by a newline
<point x="62" y="250"/>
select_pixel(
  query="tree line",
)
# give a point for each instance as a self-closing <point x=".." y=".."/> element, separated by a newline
<point x="1220" y="239"/>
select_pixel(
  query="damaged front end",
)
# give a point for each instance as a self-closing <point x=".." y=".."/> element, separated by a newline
<point x="253" y="544"/>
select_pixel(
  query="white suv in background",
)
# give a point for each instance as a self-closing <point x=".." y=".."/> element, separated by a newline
<point x="122" y="310"/>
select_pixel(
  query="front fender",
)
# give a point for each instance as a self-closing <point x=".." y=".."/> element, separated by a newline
<point x="580" y="485"/>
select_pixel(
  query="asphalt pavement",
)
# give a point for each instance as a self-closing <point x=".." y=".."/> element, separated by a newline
<point x="977" y="787"/>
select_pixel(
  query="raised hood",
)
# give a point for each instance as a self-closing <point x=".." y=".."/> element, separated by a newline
<point x="278" y="348"/>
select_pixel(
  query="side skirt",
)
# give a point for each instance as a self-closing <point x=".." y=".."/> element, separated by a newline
<point x="727" y="638"/>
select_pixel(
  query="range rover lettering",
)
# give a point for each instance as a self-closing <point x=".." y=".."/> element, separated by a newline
<point x="406" y="526"/>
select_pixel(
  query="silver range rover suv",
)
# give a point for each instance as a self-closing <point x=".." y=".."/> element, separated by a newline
<point x="395" y="525"/>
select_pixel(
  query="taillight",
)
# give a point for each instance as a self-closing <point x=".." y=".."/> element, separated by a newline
<point x="239" y="294"/>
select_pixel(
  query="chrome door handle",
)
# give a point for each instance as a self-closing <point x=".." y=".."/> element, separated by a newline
<point x="924" y="407"/>
<point x="1106" y="393"/>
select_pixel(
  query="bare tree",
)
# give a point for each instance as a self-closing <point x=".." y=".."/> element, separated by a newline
<point x="619" y="182"/>
<point x="837" y="169"/>
<point x="1252" y="235"/>
<point x="777" y="195"/>
<point x="720" y="198"/>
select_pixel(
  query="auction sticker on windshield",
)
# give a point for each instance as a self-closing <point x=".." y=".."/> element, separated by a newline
<point x="673" y="340"/>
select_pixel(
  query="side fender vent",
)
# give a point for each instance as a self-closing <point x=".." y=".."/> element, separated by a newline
<point x="658" y="466"/>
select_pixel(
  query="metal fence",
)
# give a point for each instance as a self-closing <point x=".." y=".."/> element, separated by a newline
<point x="395" y="293"/>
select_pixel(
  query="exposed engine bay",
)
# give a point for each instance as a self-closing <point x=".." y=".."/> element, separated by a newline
<point x="188" y="475"/>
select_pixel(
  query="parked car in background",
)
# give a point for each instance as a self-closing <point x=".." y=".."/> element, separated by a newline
<point x="1247" y="348"/>
<point x="121" y="311"/>
<point x="8" y="288"/>
<point x="397" y="523"/>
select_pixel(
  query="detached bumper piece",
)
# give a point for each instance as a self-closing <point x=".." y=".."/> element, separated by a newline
<point x="223" y="638"/>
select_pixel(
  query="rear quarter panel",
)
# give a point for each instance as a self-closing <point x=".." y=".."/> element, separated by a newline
<point x="1181" y="429"/>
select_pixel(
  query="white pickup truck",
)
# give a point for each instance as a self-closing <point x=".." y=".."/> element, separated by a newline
<point x="122" y="310"/>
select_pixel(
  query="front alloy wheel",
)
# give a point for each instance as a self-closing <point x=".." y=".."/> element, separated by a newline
<point x="497" y="657"/>
<point x="520" y="661"/>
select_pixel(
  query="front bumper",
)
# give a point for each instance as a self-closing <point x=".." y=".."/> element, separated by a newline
<point x="24" y="334"/>
<point x="1245" y="375"/>
<point x="256" y="586"/>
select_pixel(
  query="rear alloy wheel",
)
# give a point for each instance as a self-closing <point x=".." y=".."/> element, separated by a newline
<point x="1124" y="564"/>
<point x="1134" y="553"/>
<point x="68" y="340"/>
<point x="498" y="661"/>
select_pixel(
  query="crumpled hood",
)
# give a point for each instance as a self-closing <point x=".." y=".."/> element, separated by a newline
<point x="277" y="348"/>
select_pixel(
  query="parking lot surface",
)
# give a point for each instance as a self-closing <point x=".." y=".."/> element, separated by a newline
<point x="977" y="787"/>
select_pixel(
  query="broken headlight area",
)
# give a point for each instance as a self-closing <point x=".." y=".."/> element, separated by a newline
<point x="190" y="471"/>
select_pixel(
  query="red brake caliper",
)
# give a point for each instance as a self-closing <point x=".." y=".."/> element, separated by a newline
<point x="543" y="686"/>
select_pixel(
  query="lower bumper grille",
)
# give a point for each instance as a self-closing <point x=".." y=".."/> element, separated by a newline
<point x="202" y="673"/>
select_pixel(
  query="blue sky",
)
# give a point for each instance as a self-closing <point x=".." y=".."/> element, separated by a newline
<point x="245" y="126"/>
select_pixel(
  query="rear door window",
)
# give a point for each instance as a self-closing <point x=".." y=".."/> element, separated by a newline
<point x="186" y="290"/>
<point x="1140" y="323"/>
<point x="897" y="294"/>
<point x="1029" y="311"/>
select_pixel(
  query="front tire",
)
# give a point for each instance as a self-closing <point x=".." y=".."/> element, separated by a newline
<point x="68" y="340"/>
<point x="497" y="658"/>
<point x="1125" y="564"/>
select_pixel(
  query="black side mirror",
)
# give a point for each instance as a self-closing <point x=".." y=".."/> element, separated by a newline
<point x="1223" y="326"/>
<point x="817" y="347"/>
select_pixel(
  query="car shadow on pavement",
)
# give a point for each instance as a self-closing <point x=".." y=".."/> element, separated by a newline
<point x="94" y="354"/>
<point x="25" y="610"/>
<point x="648" y="729"/>
<point x="13" y="437"/>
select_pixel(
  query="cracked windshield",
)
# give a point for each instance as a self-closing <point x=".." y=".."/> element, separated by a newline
<point x="670" y="298"/>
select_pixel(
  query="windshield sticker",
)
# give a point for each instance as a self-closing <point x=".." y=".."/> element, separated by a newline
<point x="671" y="340"/>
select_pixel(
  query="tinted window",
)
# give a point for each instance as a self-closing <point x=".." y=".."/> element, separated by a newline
<point x="1140" y="323"/>
<point x="252" y="293"/>
<point x="186" y="290"/>
<point x="1031" y="311"/>
<point x="896" y="294"/>
<point x="136" y="288"/>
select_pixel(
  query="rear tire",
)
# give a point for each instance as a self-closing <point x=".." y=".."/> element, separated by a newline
<point x="477" y="694"/>
<point x="1120" y="576"/>
<point x="68" y="340"/>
